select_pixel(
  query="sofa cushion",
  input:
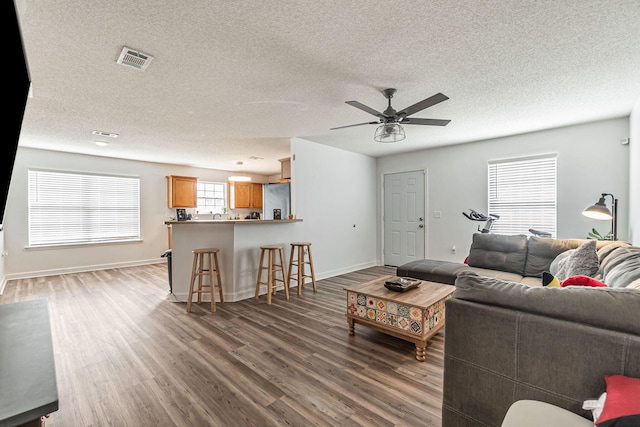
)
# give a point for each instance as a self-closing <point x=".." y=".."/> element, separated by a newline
<point x="541" y="252"/>
<point x="581" y="261"/>
<point x="586" y="305"/>
<point x="498" y="252"/>
<point x="432" y="270"/>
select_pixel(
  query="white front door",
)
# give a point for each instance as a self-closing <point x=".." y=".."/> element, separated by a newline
<point x="404" y="225"/>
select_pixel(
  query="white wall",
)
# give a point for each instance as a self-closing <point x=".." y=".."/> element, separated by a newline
<point x="334" y="193"/>
<point x="634" y="175"/>
<point x="591" y="161"/>
<point x="24" y="262"/>
<point x="335" y="189"/>
<point x="3" y="279"/>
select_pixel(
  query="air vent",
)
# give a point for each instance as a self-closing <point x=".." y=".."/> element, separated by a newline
<point x="134" y="59"/>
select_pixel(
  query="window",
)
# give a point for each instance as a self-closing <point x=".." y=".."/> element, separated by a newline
<point x="522" y="192"/>
<point x="73" y="208"/>
<point x="212" y="197"/>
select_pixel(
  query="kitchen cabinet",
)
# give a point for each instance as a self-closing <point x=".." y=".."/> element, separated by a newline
<point x="182" y="191"/>
<point x="245" y="195"/>
<point x="285" y="169"/>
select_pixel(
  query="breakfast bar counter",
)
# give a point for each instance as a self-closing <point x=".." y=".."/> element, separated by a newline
<point x="239" y="242"/>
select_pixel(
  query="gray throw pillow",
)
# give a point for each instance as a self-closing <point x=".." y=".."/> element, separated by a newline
<point x="583" y="261"/>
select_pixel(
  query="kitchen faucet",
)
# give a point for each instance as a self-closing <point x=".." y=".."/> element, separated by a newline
<point x="214" y="215"/>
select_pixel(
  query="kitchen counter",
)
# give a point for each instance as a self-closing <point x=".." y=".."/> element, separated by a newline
<point x="239" y="242"/>
<point x="233" y="221"/>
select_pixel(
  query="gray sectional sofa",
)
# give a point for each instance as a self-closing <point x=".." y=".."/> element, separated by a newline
<point x="523" y="259"/>
<point x="507" y="338"/>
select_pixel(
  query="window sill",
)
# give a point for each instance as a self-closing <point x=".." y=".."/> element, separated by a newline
<point x="84" y="244"/>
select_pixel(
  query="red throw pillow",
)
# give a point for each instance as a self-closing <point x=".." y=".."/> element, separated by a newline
<point x="622" y="404"/>
<point x="582" y="281"/>
<point x="466" y="260"/>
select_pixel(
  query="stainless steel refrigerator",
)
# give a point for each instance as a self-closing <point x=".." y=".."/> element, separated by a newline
<point x="276" y="196"/>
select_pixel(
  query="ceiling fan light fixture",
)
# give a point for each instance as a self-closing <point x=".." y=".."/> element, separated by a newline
<point x="389" y="132"/>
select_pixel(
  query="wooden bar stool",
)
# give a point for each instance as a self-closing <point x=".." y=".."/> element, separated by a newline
<point x="205" y="263"/>
<point x="298" y="258"/>
<point x="272" y="267"/>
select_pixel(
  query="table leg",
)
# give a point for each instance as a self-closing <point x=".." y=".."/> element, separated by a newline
<point x="351" y="326"/>
<point x="421" y="350"/>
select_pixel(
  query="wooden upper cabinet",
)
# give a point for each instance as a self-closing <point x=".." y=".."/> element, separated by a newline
<point x="247" y="195"/>
<point x="182" y="191"/>
<point x="285" y="169"/>
<point x="256" y="196"/>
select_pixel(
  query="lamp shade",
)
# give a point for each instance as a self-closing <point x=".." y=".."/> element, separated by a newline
<point x="389" y="132"/>
<point x="598" y="211"/>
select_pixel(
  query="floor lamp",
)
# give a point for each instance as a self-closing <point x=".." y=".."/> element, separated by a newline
<point x="600" y="211"/>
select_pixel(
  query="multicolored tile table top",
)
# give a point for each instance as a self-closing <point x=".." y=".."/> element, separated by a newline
<point x="414" y="315"/>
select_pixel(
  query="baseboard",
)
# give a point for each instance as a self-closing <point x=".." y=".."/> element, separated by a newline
<point x="250" y="293"/>
<point x="80" y="269"/>
<point x="345" y="270"/>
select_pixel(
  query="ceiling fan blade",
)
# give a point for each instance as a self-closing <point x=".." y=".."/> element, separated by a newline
<point x="359" y="124"/>
<point x="430" y="122"/>
<point x="425" y="103"/>
<point x="364" y="108"/>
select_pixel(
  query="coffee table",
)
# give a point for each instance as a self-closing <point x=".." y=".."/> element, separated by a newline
<point x="414" y="315"/>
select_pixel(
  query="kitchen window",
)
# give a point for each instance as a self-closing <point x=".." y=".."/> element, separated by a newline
<point x="212" y="197"/>
<point x="522" y="192"/>
<point x="74" y="208"/>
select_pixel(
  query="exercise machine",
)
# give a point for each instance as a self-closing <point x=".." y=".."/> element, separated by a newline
<point x="477" y="216"/>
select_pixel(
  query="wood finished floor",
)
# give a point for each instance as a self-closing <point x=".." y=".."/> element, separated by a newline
<point x="128" y="355"/>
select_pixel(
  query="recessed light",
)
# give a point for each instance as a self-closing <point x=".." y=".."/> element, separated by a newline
<point x="107" y="134"/>
<point x="101" y="143"/>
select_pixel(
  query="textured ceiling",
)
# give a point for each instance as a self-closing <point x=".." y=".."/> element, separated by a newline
<point x="231" y="79"/>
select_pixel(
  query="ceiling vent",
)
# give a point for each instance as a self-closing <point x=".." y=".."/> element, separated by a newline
<point x="134" y="59"/>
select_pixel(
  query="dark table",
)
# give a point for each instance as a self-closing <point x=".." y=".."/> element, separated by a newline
<point x="28" y="388"/>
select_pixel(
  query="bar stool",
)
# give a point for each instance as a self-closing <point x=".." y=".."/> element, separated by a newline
<point x="297" y="258"/>
<point x="272" y="267"/>
<point x="202" y="257"/>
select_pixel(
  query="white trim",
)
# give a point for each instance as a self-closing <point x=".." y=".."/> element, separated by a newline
<point x="250" y="293"/>
<point x="82" y="269"/>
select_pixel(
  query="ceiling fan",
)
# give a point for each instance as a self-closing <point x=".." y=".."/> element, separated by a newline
<point x="390" y="119"/>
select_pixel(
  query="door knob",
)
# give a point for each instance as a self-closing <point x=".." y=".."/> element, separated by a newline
<point x="421" y="219"/>
<point x="421" y="226"/>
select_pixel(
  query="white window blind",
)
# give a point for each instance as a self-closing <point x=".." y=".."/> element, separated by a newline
<point x="74" y="208"/>
<point x="522" y="192"/>
<point x="212" y="197"/>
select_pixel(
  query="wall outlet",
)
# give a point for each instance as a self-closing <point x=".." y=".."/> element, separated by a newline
<point x="453" y="249"/>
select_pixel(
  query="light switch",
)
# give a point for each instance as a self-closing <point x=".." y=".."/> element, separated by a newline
<point x="437" y="214"/>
